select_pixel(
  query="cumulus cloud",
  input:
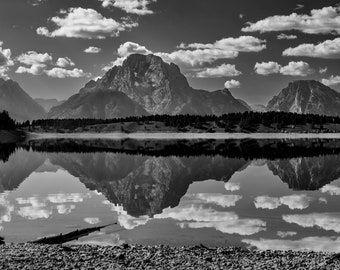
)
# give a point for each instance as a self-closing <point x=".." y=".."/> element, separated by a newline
<point x="62" y="73"/>
<point x="87" y="24"/>
<point x="232" y="84"/>
<point x="292" y="68"/>
<point x="320" y="244"/>
<point x="326" y="221"/>
<point x="224" y="70"/>
<point x="34" y="58"/>
<point x="196" y="217"/>
<point x="332" y="80"/>
<point x="139" y="7"/>
<point x="285" y="234"/>
<point x="266" y="68"/>
<point x="5" y="61"/>
<point x="319" y="21"/>
<point x="331" y="189"/>
<point x="329" y="49"/>
<point x="65" y="209"/>
<point x="293" y="202"/>
<point x="36" y="69"/>
<point x="38" y="65"/>
<point x="217" y="199"/>
<point x="285" y="36"/>
<point x="323" y="70"/>
<point x="34" y="212"/>
<point x="67" y="197"/>
<point x="266" y="202"/>
<point x="6" y="208"/>
<point x="196" y="54"/>
<point x="92" y="49"/>
<point x="92" y="220"/>
<point x="64" y="62"/>
<point x="232" y="186"/>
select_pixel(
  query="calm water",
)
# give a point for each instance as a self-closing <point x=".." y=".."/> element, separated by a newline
<point x="267" y="195"/>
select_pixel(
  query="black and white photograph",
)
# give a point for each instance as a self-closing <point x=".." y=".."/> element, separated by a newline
<point x="169" y="134"/>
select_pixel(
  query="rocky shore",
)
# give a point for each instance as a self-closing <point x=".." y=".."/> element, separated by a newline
<point x="30" y="256"/>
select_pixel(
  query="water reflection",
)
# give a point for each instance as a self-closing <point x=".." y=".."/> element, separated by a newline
<point x="218" y="196"/>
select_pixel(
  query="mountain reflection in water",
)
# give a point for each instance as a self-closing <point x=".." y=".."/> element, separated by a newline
<point x="163" y="192"/>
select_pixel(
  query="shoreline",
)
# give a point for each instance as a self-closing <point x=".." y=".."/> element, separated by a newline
<point x="181" y="136"/>
<point x="29" y="256"/>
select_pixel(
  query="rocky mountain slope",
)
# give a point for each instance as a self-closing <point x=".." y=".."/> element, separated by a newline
<point x="47" y="104"/>
<point x="145" y="84"/>
<point x="18" y="103"/>
<point x="306" y="97"/>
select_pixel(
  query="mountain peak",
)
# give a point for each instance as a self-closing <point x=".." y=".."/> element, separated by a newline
<point x="306" y="96"/>
<point x="154" y="86"/>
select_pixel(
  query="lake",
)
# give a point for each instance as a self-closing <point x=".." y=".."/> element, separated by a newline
<point x="265" y="194"/>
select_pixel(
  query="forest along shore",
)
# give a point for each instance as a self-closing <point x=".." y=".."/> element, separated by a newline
<point x="27" y="256"/>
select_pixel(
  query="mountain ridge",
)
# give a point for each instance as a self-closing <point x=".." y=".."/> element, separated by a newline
<point x="157" y="87"/>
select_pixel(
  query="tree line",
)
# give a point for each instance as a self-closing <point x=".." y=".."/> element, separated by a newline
<point x="245" y="120"/>
<point x="6" y="122"/>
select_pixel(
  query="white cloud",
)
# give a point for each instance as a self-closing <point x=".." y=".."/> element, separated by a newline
<point x="285" y="36"/>
<point x="92" y="49"/>
<point x="129" y="48"/>
<point x="292" y="69"/>
<point x="296" y="201"/>
<point x="232" y="186"/>
<point x="196" y="54"/>
<point x="329" y="49"/>
<point x="266" y="68"/>
<point x="285" y="234"/>
<point x="266" y="202"/>
<point x="34" y="58"/>
<point x="323" y="70"/>
<point x="326" y="221"/>
<point x="85" y="23"/>
<point x="232" y="84"/>
<point x="65" y="209"/>
<point x="62" y="73"/>
<point x="331" y="189"/>
<point x="67" y="197"/>
<point x="5" y="61"/>
<point x="227" y="222"/>
<point x="36" y="69"/>
<point x="217" y="199"/>
<point x="320" y="244"/>
<point x="34" y="212"/>
<point x="64" y="62"/>
<point x="6" y="208"/>
<point x="36" y="2"/>
<point x="332" y="80"/>
<point x="92" y="220"/>
<point x="320" y="21"/>
<point x="139" y="7"/>
<point x="224" y="70"/>
<point x="293" y="202"/>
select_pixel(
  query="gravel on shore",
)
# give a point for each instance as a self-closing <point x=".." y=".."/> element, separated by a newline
<point x="34" y="256"/>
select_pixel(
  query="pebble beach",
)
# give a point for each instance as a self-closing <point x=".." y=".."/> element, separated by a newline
<point x="33" y="256"/>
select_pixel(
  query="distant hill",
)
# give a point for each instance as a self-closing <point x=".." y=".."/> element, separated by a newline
<point x="18" y="103"/>
<point x="47" y="104"/>
<point x="145" y="84"/>
<point x="307" y="97"/>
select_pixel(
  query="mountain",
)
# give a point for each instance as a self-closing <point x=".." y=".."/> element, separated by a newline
<point x="304" y="173"/>
<point x="47" y="104"/>
<point x="99" y="104"/>
<point x="258" y="108"/>
<point x="145" y="84"/>
<point x="307" y="97"/>
<point x="18" y="103"/>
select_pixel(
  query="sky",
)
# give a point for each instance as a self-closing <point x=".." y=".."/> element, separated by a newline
<point x="254" y="48"/>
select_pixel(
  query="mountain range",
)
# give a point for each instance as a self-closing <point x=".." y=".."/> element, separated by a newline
<point x="146" y="85"/>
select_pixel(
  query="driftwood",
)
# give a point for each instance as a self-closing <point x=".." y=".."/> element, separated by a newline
<point x="67" y="237"/>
